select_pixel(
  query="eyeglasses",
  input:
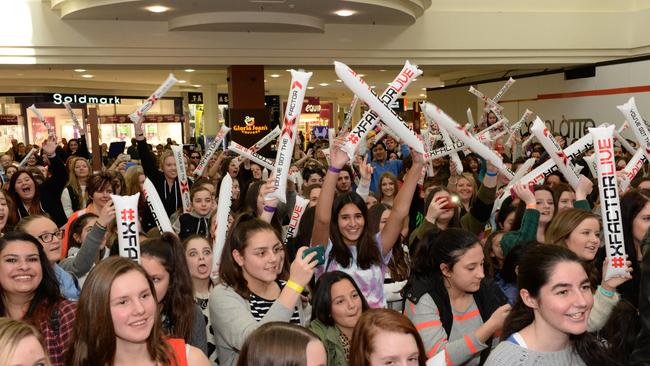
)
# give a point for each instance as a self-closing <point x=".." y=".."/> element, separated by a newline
<point x="48" y="237"/>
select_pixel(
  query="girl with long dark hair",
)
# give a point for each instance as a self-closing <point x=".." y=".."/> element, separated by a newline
<point x="340" y="225"/>
<point x="164" y="261"/>
<point x="455" y="309"/>
<point x="251" y="289"/>
<point x="548" y="323"/>
<point x="29" y="291"/>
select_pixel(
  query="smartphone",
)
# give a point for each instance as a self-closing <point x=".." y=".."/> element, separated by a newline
<point x="320" y="254"/>
<point x="452" y="202"/>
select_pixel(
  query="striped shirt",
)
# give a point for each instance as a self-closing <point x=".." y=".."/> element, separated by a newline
<point x="260" y="306"/>
<point x="461" y="347"/>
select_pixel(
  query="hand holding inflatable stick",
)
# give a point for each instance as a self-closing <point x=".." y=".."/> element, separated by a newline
<point x="382" y="109"/>
<point x="369" y="120"/>
<point x="633" y="167"/>
<point x="610" y="205"/>
<point x="159" y="93"/>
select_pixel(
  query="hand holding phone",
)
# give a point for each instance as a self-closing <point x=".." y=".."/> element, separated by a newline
<point x="320" y="254"/>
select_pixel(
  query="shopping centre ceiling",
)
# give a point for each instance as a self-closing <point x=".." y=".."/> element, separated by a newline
<point x="124" y="45"/>
<point x="292" y="16"/>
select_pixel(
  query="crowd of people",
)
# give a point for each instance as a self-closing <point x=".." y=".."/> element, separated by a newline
<point x="385" y="268"/>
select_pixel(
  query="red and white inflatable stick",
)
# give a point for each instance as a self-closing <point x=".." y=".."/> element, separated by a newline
<point x="610" y="206"/>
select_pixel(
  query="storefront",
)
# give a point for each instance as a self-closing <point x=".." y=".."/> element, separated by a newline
<point x="164" y="120"/>
<point x="12" y="123"/>
<point x="195" y="104"/>
<point x="314" y="113"/>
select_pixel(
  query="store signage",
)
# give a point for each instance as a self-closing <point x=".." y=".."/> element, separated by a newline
<point x="311" y="105"/>
<point x="247" y="126"/>
<point x="195" y="98"/>
<point x="8" y="119"/>
<point x="148" y="118"/>
<point x="59" y="98"/>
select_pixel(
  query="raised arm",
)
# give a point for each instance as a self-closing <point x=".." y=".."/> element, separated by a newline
<point x="401" y="206"/>
<point x="58" y="173"/>
<point x="147" y="159"/>
<point x="321" y="231"/>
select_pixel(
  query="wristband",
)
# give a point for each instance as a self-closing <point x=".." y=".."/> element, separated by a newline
<point x="334" y="170"/>
<point x="269" y="209"/>
<point x="491" y="174"/>
<point x="606" y="292"/>
<point x="532" y="206"/>
<point x="294" y="286"/>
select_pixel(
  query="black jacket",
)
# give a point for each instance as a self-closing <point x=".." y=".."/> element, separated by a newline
<point x="170" y="196"/>
<point x="488" y="298"/>
<point x="641" y="354"/>
<point x="50" y="193"/>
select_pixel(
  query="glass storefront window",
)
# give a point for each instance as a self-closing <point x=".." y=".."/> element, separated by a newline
<point x="61" y="120"/>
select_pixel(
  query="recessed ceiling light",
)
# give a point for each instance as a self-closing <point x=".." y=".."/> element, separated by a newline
<point x="361" y="75"/>
<point x="423" y="95"/>
<point x="323" y="84"/>
<point x="415" y="79"/>
<point x="80" y="70"/>
<point x="288" y="70"/>
<point x="373" y="86"/>
<point x="189" y="70"/>
<point x="310" y="87"/>
<point x="87" y="76"/>
<point x="265" y="80"/>
<point x="157" y="8"/>
<point x="196" y="85"/>
<point x="424" y="88"/>
<point x="275" y="75"/>
<point x="382" y="70"/>
<point x="182" y="81"/>
<point x="345" y="12"/>
<point x="339" y="80"/>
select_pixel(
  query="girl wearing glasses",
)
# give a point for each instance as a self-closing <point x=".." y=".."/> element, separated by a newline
<point x="49" y="236"/>
<point x="29" y="291"/>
